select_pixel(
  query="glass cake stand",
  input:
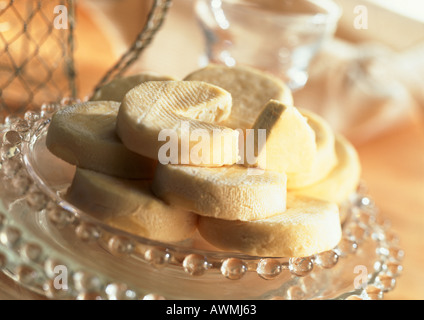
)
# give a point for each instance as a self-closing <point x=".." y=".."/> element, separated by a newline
<point x="57" y="251"/>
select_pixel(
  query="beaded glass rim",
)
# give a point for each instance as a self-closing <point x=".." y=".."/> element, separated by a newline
<point x="30" y="263"/>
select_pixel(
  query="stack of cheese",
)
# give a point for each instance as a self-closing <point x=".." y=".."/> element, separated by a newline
<point x="284" y="203"/>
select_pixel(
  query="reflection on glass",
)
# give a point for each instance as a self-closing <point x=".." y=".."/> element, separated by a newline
<point x="277" y="36"/>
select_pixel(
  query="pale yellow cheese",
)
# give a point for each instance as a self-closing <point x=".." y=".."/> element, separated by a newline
<point x="84" y="135"/>
<point x="157" y="110"/>
<point x="342" y="181"/>
<point x="325" y="159"/>
<point x="116" y="89"/>
<point x="307" y="227"/>
<point x="129" y="205"/>
<point x="230" y="192"/>
<point x="290" y="142"/>
<point x="250" y="89"/>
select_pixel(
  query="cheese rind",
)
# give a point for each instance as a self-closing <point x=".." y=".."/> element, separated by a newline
<point x="129" y="205"/>
<point x="290" y="142"/>
<point x="342" y="181"/>
<point x="325" y="159"/>
<point x="250" y="89"/>
<point x="84" y="135"/>
<point x="307" y="227"/>
<point x="229" y="192"/>
<point x="180" y="109"/>
<point x="116" y="89"/>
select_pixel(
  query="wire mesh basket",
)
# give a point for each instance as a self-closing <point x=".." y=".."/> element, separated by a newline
<point x="37" y="52"/>
<point x="36" y="60"/>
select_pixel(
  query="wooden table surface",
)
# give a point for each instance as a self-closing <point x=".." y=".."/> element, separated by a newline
<point x="393" y="167"/>
<point x="393" y="163"/>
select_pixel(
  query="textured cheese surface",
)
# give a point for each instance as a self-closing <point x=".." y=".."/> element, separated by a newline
<point x="325" y="159"/>
<point x="250" y="89"/>
<point x="117" y="88"/>
<point x="155" y="106"/>
<point x="84" y="135"/>
<point x="129" y="205"/>
<point x="228" y="192"/>
<point x="342" y="181"/>
<point x="307" y="227"/>
<point x="290" y="141"/>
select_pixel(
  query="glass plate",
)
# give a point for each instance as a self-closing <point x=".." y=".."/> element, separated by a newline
<point x="54" y="249"/>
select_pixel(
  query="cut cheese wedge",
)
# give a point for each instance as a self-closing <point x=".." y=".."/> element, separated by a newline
<point x="325" y="159"/>
<point x="117" y="88"/>
<point x="250" y="89"/>
<point x="290" y="142"/>
<point x="84" y="135"/>
<point x="307" y="227"/>
<point x="342" y="181"/>
<point x="183" y="114"/>
<point x="129" y="205"/>
<point x="229" y="192"/>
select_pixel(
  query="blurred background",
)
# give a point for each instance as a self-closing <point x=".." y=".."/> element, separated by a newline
<point x="367" y="81"/>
